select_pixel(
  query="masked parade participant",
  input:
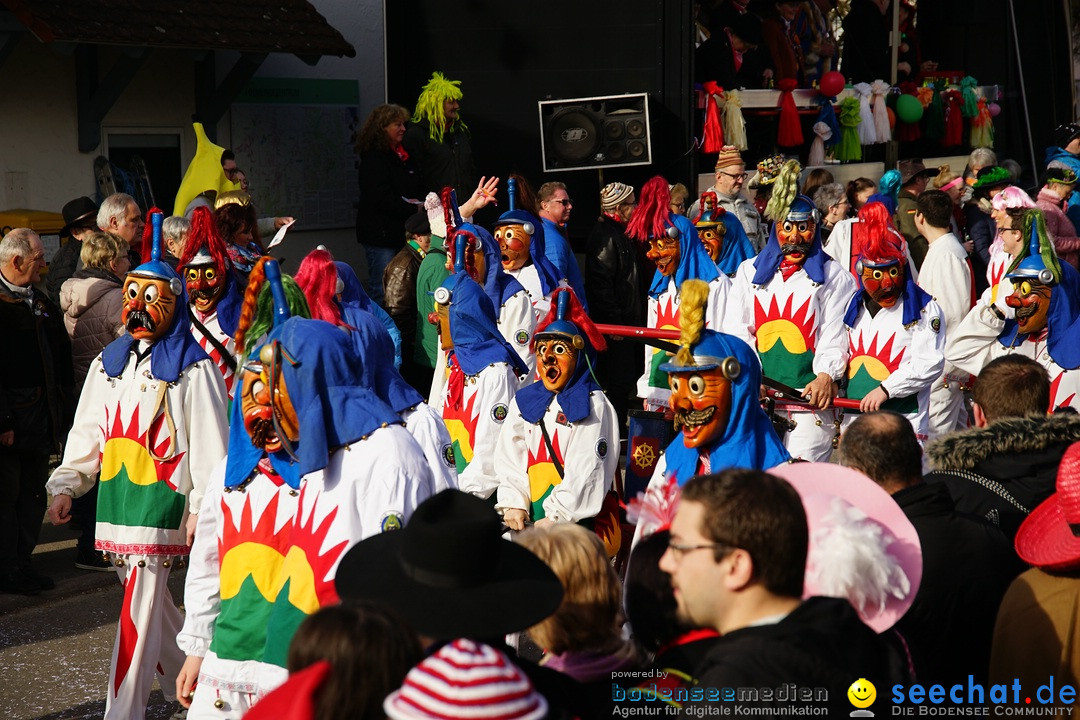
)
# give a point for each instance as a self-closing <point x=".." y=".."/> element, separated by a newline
<point x="896" y="332"/>
<point x="214" y="293"/>
<point x="483" y="373"/>
<point x="674" y="246"/>
<point x="521" y="245"/>
<point x="151" y="421"/>
<point x="325" y="283"/>
<point x="316" y="463"/>
<point x="722" y="235"/>
<point x="789" y="303"/>
<point x="557" y="452"/>
<point x="1046" y="303"/>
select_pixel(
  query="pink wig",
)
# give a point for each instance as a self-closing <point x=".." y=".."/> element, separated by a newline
<point x="1012" y="197"/>
<point x="651" y="214"/>
<point x="318" y="278"/>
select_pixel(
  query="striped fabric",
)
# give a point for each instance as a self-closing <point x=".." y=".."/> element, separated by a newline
<point x="465" y="680"/>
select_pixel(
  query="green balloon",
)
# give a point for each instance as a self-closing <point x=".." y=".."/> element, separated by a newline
<point x="909" y="109"/>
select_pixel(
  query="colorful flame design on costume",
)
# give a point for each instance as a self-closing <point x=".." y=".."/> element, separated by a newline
<point x="667" y="318"/>
<point x="461" y="424"/>
<point x="1055" y="385"/>
<point x="136" y="489"/>
<point x="786" y="341"/>
<point x="542" y="474"/>
<point x="870" y="366"/>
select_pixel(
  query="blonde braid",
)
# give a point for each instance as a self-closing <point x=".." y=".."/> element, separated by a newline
<point x="785" y="189"/>
<point x="693" y="297"/>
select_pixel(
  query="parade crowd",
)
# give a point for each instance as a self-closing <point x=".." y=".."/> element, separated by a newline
<point x="405" y="500"/>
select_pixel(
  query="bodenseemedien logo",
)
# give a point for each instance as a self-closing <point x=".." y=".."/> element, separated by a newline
<point x="862" y="694"/>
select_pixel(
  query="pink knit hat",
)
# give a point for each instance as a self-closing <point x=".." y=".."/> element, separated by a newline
<point x="466" y="680"/>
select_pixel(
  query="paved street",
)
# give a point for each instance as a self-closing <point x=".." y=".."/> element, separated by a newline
<point x="55" y="647"/>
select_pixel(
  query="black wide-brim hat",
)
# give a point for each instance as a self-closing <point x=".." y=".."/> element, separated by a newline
<point x="450" y="572"/>
<point x="80" y="212"/>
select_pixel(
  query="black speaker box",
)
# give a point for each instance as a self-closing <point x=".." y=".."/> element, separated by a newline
<point x="595" y="132"/>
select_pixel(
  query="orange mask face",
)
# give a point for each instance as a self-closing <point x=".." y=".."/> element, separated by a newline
<point x="149" y="306"/>
<point x="664" y="251"/>
<point x="701" y="401"/>
<point x="514" y="246"/>
<point x="205" y="286"/>
<point x="1031" y="300"/>
<point x="263" y="401"/>
<point x="442" y="313"/>
<point x="884" y="283"/>
<point x="713" y="240"/>
<point x="556" y="360"/>
<point x="796" y="239"/>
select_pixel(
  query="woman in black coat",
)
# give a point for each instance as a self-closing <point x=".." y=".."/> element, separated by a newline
<point x="389" y="181"/>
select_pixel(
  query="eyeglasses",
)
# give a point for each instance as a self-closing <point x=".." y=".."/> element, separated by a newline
<point x="565" y="203"/>
<point x="678" y="550"/>
<point x="739" y="176"/>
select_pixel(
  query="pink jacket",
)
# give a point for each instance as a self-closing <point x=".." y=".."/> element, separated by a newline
<point x="1059" y="226"/>
<point x="91" y="308"/>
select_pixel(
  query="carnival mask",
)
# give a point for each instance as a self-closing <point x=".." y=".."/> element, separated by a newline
<point x="149" y="306"/>
<point x="514" y="246"/>
<point x="267" y="409"/>
<point x="796" y="238"/>
<point x="556" y="360"/>
<point x="442" y="320"/>
<point x="701" y="400"/>
<point x="884" y="283"/>
<point x="712" y="237"/>
<point x="1031" y="300"/>
<point x="664" y="251"/>
<point x="205" y="286"/>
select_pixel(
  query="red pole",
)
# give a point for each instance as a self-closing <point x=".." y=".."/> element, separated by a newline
<point x="642" y="332"/>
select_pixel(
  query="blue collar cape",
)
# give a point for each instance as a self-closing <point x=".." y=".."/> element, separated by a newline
<point x="228" y="307"/>
<point x="549" y="275"/>
<point x="749" y="440"/>
<point x="914" y="300"/>
<point x="499" y="286"/>
<point x="736" y="246"/>
<point x="375" y="349"/>
<point x="694" y="260"/>
<point x="768" y="260"/>
<point x="477" y="340"/>
<point x="534" y="400"/>
<point x="169" y="355"/>
<point x="332" y="406"/>
<point x="1063" y="322"/>
<point x="353" y="291"/>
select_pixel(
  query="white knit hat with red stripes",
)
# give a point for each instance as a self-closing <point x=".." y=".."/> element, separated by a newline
<point x="465" y="680"/>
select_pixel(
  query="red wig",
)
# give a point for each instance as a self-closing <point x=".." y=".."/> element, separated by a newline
<point x="204" y="234"/>
<point x="147" y="245"/>
<point x="709" y="201"/>
<point x="448" y="209"/>
<point x="874" y="238"/>
<point x="650" y="218"/>
<point x="470" y="248"/>
<point x="318" y="278"/>
<point x="576" y="314"/>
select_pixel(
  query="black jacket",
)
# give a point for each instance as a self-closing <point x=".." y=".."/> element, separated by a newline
<point x="61" y="267"/>
<point x="820" y="644"/>
<point x="866" y="42"/>
<point x="381" y="212"/>
<point x="713" y="60"/>
<point x="36" y="377"/>
<point x="967" y="566"/>
<point x="449" y="163"/>
<point x="615" y="283"/>
<point x="1021" y="454"/>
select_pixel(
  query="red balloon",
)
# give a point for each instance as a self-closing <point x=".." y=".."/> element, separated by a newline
<point x="832" y="83"/>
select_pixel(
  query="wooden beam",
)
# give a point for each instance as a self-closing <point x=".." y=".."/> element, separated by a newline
<point x="94" y="98"/>
<point x="213" y="98"/>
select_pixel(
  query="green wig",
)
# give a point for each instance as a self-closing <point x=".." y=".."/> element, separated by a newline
<point x="429" y="106"/>
<point x="264" y="311"/>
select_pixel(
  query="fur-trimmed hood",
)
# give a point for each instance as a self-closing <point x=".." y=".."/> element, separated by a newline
<point x="964" y="450"/>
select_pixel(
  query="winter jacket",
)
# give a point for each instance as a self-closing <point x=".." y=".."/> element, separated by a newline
<point x="1019" y="456"/>
<point x="91" y="301"/>
<point x="614" y="275"/>
<point x="1060" y="227"/>
<point x="382" y="210"/>
<point x="36" y="387"/>
<point x="442" y="164"/>
<point x="399" y="294"/>
<point x="62" y="267"/>
<point x="430" y="276"/>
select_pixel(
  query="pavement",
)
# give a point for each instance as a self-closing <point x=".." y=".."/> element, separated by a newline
<point x="55" y="647"/>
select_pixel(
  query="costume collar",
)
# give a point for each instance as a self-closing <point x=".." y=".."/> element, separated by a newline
<point x="534" y="400"/>
<point x="912" y="300"/>
<point x="768" y="260"/>
<point x="477" y="340"/>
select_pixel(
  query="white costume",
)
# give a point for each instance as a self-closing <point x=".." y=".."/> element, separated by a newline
<point x="517" y="324"/>
<point x="588" y="450"/>
<point x="430" y="433"/>
<point x="154" y="444"/>
<point x="474" y="426"/>
<point x="652" y="386"/>
<point x="265" y="557"/>
<point x="946" y="274"/>
<point x="210" y="322"/>
<point x="797" y="327"/>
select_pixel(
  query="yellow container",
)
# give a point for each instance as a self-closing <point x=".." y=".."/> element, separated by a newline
<point x="45" y="224"/>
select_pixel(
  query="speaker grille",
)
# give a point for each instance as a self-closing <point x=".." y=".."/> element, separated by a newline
<point x="575" y="135"/>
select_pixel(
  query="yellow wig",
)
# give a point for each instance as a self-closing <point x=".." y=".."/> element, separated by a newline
<point x="693" y="296"/>
<point x="429" y="106"/>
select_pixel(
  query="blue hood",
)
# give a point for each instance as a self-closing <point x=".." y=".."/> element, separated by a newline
<point x="477" y="340"/>
<point x="1063" y="321"/>
<point x="499" y="286"/>
<point x="736" y="247"/>
<point x="694" y="260"/>
<point x="549" y="275"/>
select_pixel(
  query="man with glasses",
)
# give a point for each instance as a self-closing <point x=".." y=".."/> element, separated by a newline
<point x="737" y="558"/>
<point x="555" y="205"/>
<point x="730" y="176"/>
<point x="36" y="400"/>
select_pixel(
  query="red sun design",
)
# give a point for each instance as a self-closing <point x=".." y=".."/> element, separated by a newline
<point x="157" y="433"/>
<point x="1054" y="386"/>
<point x="667" y="313"/>
<point x="802" y="319"/>
<point x="260" y="533"/>
<point x="462" y="421"/>
<point x="309" y="538"/>
<point x="542" y="455"/>
<point x="883" y="354"/>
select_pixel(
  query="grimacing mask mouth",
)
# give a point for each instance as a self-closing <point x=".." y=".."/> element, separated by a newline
<point x="701" y="400"/>
<point x="556" y="360"/>
<point x="513" y="246"/>
<point x="205" y="286"/>
<point x="149" y="307"/>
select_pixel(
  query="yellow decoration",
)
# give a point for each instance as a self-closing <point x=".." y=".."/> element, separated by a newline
<point x="203" y="173"/>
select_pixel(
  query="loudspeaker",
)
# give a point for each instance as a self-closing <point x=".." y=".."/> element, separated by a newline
<point x="596" y="132"/>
